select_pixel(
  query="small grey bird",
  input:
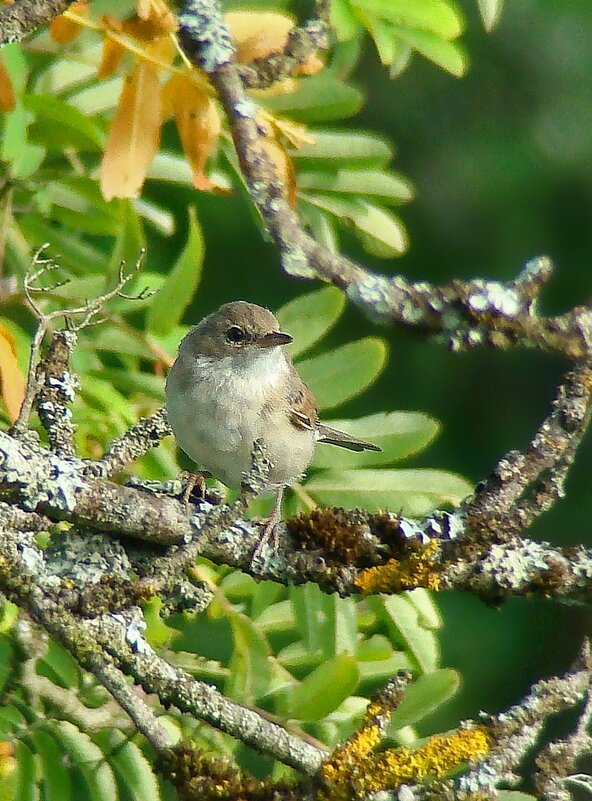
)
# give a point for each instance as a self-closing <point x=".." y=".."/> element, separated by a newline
<point x="233" y="383"/>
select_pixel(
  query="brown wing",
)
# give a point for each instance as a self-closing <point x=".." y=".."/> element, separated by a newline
<point x="303" y="408"/>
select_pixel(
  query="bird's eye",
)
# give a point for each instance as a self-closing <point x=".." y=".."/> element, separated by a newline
<point x="235" y="334"/>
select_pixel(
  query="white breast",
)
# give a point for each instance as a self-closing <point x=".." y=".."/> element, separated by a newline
<point x="216" y="410"/>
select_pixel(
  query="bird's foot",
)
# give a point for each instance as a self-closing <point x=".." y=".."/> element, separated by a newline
<point x="195" y="489"/>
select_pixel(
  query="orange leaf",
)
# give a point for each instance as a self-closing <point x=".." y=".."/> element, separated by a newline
<point x="159" y="22"/>
<point x="7" y="99"/>
<point x="143" y="8"/>
<point x="257" y="34"/>
<point x="198" y="123"/>
<point x="62" y="30"/>
<point x="11" y="378"/>
<point x="112" y="54"/>
<point x="134" y="135"/>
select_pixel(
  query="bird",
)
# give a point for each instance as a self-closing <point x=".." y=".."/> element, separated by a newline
<point x="233" y="383"/>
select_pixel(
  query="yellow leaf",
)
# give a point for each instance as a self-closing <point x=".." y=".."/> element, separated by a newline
<point x="62" y="29"/>
<point x="257" y="34"/>
<point x="134" y="135"/>
<point x="198" y="123"/>
<point x="143" y="8"/>
<point x="159" y="22"/>
<point x="7" y="99"/>
<point x="11" y="378"/>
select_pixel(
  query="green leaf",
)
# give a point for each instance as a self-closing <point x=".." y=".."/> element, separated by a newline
<point x="59" y="666"/>
<point x="250" y="669"/>
<point x="319" y="98"/>
<point x="326" y="623"/>
<point x="133" y="772"/>
<point x="382" y="233"/>
<point x="424" y="696"/>
<point x="26" y="782"/>
<point x="491" y="11"/>
<point x="515" y="795"/>
<point x="413" y="492"/>
<point x="75" y="129"/>
<point x="377" y="671"/>
<point x="70" y="251"/>
<point x="277" y="617"/>
<point x="7" y="666"/>
<point x="399" y="434"/>
<point x="384" y="187"/>
<point x="448" y="55"/>
<point x="343" y="20"/>
<point x="88" y="760"/>
<point x="437" y="16"/>
<point x="179" y="288"/>
<point x="402" y="622"/>
<point x="343" y="373"/>
<point x="429" y="615"/>
<point x="324" y="689"/>
<point x="171" y="168"/>
<point x="310" y="317"/>
<point x="131" y="381"/>
<point x="56" y="782"/>
<point x="355" y="148"/>
<point x="130" y="240"/>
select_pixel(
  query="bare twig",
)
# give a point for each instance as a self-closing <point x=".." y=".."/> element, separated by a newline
<point x="141" y="437"/>
<point x="76" y="318"/>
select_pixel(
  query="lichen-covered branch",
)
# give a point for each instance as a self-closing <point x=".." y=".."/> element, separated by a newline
<point x="462" y="314"/>
<point x="18" y="20"/>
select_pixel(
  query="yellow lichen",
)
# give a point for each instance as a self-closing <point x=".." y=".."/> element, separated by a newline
<point x="350" y="773"/>
<point x="418" y="569"/>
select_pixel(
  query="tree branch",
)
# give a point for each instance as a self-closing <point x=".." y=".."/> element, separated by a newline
<point x="23" y="17"/>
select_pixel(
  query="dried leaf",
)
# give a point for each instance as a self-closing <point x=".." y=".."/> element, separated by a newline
<point x="62" y="29"/>
<point x="11" y="378"/>
<point x="159" y="22"/>
<point x="143" y="8"/>
<point x="198" y="123"/>
<point x="257" y="34"/>
<point x="134" y="135"/>
<point x="7" y="98"/>
<point x="112" y="54"/>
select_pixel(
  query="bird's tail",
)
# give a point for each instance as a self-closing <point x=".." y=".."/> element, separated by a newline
<point x="343" y="440"/>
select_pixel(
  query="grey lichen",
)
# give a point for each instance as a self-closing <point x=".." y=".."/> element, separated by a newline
<point x="204" y="35"/>
<point x="87" y="559"/>
<point x="41" y="477"/>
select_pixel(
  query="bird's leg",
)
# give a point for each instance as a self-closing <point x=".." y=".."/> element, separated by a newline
<point x="269" y="535"/>
<point x="193" y="480"/>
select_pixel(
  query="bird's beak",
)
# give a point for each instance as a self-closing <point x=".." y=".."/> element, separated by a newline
<point x="273" y="339"/>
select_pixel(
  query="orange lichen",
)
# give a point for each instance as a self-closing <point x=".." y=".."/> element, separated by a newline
<point x="417" y="569"/>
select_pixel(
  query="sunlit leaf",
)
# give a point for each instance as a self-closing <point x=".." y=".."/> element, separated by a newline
<point x="88" y="759"/>
<point x="250" y="669"/>
<point x="324" y="689"/>
<point x="385" y="187"/>
<point x="413" y="492"/>
<point x="257" y="34"/>
<point x="399" y="434"/>
<point x="345" y="372"/>
<point x="133" y="773"/>
<point x="448" y="55"/>
<point x="401" y="619"/>
<point x="437" y="16"/>
<point x="425" y="695"/>
<point x="167" y="308"/>
<point x="316" y="99"/>
<point x="491" y="11"/>
<point x="343" y="20"/>
<point x="380" y="231"/>
<point x="56" y="781"/>
<point x="134" y="135"/>
<point x="309" y="317"/>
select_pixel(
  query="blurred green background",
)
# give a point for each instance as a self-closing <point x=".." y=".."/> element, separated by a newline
<point x="502" y="165"/>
